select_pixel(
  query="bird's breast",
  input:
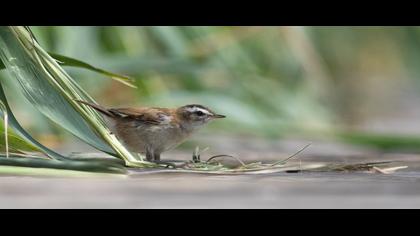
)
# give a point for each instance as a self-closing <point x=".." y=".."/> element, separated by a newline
<point x="140" y="137"/>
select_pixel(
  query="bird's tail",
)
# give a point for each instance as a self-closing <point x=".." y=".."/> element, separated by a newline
<point x="101" y="109"/>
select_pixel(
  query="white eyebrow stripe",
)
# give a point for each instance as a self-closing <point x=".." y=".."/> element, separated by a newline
<point x="195" y="109"/>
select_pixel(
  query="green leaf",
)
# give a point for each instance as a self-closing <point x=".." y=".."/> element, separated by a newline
<point x="54" y="93"/>
<point x="9" y="140"/>
<point x="40" y="88"/>
<point x="103" y="165"/>
<point x="28" y="139"/>
<point x="22" y="141"/>
<point x="29" y="171"/>
<point x="68" y="61"/>
<point x="15" y="143"/>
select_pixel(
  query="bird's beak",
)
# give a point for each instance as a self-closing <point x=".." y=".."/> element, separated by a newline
<point x="218" y="116"/>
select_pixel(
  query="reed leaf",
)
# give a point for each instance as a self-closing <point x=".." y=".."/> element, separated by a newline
<point x="68" y="61"/>
<point x="19" y="130"/>
<point x="54" y="172"/>
<point x="53" y="92"/>
<point x="41" y="88"/>
<point x="21" y="142"/>
<point x="102" y="165"/>
<point x="15" y="143"/>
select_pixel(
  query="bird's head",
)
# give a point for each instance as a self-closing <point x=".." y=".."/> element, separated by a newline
<point x="196" y="115"/>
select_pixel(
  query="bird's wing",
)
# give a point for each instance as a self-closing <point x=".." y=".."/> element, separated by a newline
<point x="144" y="115"/>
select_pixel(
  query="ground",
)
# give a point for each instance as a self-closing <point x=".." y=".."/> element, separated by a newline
<point x="286" y="190"/>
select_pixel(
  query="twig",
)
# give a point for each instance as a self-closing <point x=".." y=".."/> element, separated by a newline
<point x="236" y="158"/>
<point x="285" y="160"/>
<point x="197" y="153"/>
<point x="388" y="170"/>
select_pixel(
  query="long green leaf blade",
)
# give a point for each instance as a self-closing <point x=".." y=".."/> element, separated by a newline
<point x="53" y="92"/>
<point x="68" y="61"/>
<point x="107" y="166"/>
<point x="41" y="92"/>
<point x="22" y="132"/>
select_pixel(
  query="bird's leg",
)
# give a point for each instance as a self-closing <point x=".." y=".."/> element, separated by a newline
<point x="165" y="163"/>
<point x="156" y="159"/>
<point x="156" y="156"/>
<point x="149" y="156"/>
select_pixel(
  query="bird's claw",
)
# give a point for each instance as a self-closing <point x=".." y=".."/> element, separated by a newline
<point x="168" y="164"/>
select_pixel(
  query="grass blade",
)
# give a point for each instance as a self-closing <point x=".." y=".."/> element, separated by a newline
<point x="29" y="140"/>
<point x="68" y="61"/>
<point x="41" y="90"/>
<point x="53" y="92"/>
<point x="104" y="165"/>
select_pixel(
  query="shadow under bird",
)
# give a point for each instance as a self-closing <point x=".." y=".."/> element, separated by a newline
<point x="150" y="130"/>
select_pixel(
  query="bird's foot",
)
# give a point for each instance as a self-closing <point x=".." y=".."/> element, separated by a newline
<point x="170" y="163"/>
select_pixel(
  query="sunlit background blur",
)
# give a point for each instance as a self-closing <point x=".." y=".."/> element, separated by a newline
<point x="271" y="82"/>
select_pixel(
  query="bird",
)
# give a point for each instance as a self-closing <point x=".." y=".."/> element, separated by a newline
<point x="151" y="131"/>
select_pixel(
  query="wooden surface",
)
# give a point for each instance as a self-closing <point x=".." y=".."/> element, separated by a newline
<point x="285" y="190"/>
<point x="198" y="191"/>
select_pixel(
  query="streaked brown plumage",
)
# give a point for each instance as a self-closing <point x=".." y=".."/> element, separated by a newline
<point x="150" y="130"/>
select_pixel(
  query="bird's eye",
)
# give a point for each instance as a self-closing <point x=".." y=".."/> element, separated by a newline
<point x="199" y="113"/>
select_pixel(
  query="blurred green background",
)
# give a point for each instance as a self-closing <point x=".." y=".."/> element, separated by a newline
<point x="271" y="82"/>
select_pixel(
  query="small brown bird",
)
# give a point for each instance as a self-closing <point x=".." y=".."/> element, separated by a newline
<point x="151" y="131"/>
